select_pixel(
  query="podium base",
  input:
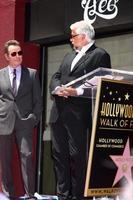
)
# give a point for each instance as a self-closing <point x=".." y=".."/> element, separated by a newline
<point x="107" y="198"/>
<point x="41" y="197"/>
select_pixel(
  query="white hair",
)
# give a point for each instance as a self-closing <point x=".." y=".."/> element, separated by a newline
<point x="84" y="27"/>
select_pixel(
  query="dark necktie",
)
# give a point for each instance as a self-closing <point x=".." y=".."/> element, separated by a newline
<point x="14" y="83"/>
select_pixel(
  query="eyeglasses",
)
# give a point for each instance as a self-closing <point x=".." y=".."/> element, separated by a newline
<point x="73" y="36"/>
<point x="13" y="54"/>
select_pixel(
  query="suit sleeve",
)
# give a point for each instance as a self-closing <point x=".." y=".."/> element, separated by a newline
<point x="105" y="61"/>
<point x="56" y="78"/>
<point x="37" y="97"/>
<point x="55" y="81"/>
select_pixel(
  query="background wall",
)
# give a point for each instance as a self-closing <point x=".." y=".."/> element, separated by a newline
<point x="50" y="19"/>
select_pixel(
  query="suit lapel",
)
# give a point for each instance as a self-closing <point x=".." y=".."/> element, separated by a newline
<point x="7" y="78"/>
<point x="22" y="81"/>
<point x="71" y="57"/>
<point x="82" y="60"/>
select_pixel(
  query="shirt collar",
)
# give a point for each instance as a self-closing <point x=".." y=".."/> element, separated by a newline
<point x="18" y="68"/>
<point x="86" y="47"/>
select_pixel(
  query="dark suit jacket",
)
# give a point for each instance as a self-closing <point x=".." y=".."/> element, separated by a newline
<point x="94" y="58"/>
<point x="26" y="106"/>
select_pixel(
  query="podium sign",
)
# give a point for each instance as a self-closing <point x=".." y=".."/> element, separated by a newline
<point x="110" y="160"/>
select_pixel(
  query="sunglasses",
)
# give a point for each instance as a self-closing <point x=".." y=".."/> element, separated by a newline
<point x="19" y="53"/>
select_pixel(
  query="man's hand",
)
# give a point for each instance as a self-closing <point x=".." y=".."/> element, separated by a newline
<point x="66" y="92"/>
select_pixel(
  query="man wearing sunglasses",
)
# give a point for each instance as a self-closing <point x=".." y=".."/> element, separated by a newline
<point x="71" y="116"/>
<point x="20" y="110"/>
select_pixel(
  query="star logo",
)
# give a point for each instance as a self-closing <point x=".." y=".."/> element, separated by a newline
<point x="127" y="96"/>
<point x="124" y="163"/>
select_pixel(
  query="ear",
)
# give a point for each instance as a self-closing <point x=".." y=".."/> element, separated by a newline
<point x="6" y="56"/>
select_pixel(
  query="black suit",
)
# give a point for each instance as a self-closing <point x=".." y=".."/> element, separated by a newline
<point x="70" y="119"/>
<point x="18" y="114"/>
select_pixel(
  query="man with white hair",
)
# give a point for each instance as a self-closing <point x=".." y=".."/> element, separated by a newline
<point x="71" y="114"/>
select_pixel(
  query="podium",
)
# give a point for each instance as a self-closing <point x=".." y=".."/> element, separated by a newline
<point x="40" y="197"/>
<point x="110" y="159"/>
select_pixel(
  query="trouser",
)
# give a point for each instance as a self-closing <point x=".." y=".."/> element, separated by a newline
<point x="69" y="145"/>
<point x="23" y="137"/>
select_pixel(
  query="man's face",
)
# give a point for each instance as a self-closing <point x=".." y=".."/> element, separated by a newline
<point x="77" y="40"/>
<point x="14" y="55"/>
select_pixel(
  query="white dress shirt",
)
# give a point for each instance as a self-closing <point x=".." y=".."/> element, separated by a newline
<point x="18" y="75"/>
<point x="80" y="54"/>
